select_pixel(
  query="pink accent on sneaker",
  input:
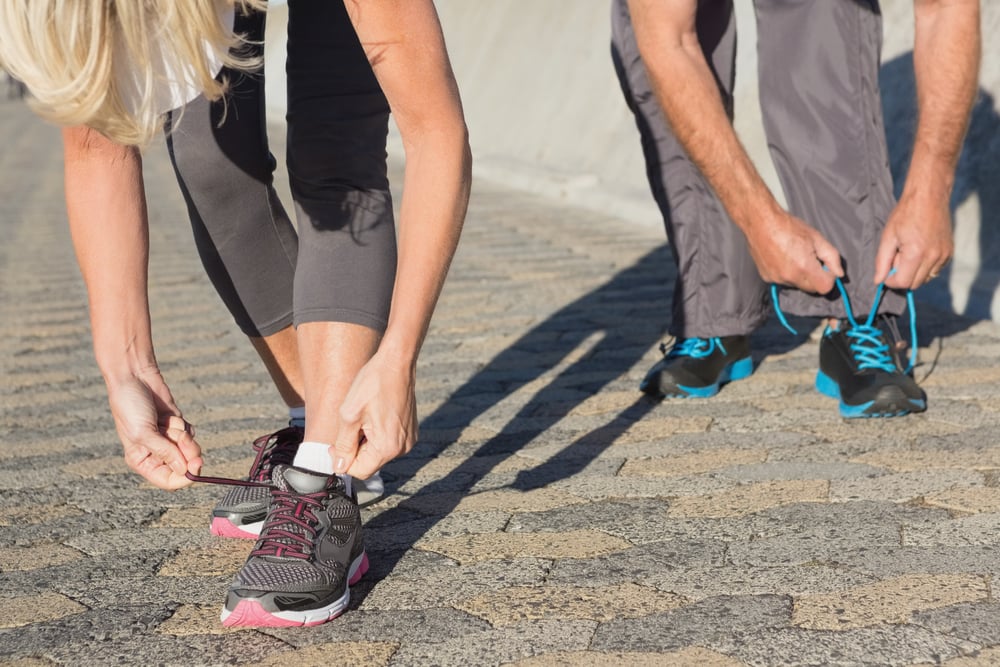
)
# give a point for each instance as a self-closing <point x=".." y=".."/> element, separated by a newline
<point x="250" y="613"/>
<point x="360" y="571"/>
<point x="222" y="527"/>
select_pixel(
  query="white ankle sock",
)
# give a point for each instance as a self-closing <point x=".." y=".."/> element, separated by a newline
<point x="315" y="456"/>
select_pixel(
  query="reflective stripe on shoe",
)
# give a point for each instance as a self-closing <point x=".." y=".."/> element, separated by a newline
<point x="738" y="370"/>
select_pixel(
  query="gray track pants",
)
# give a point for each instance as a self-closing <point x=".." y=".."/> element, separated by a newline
<point x="341" y="265"/>
<point x="818" y="73"/>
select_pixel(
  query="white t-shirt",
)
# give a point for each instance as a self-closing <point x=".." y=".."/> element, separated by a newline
<point x="176" y="86"/>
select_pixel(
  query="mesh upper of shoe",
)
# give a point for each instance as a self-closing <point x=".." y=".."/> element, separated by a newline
<point x="282" y="558"/>
<point x="277" y="448"/>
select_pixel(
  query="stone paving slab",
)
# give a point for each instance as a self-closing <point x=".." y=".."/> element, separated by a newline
<point x="549" y="515"/>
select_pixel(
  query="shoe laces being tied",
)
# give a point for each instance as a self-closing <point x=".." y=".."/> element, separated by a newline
<point x="290" y="529"/>
<point x="291" y="526"/>
<point x="699" y="348"/>
<point x="275" y="449"/>
<point x="867" y="340"/>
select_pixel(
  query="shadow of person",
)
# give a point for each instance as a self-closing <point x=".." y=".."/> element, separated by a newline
<point x="586" y="347"/>
<point x="582" y="348"/>
<point x="975" y="176"/>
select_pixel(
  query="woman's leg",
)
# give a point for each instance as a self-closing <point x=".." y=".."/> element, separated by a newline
<point x="244" y="237"/>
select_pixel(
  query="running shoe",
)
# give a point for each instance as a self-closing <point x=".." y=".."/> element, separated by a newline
<point x="309" y="553"/>
<point x="858" y="364"/>
<point x="697" y="367"/>
<point x="242" y="511"/>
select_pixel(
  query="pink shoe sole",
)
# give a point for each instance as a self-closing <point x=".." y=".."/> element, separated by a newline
<point x="226" y="528"/>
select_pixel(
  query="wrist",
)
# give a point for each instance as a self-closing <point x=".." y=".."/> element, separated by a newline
<point x="121" y="364"/>
<point x="760" y="215"/>
<point x="398" y="353"/>
<point x="929" y="184"/>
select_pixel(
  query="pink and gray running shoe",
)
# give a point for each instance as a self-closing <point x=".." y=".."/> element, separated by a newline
<point x="309" y="553"/>
<point x="242" y="511"/>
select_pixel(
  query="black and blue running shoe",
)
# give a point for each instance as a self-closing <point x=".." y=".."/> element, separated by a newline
<point x="858" y="364"/>
<point x="697" y="367"/>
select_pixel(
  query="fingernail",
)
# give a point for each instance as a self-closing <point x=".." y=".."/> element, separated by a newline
<point x="340" y="465"/>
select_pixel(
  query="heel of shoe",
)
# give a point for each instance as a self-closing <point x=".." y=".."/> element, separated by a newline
<point x="826" y="385"/>
<point x="740" y="370"/>
<point x="358" y="569"/>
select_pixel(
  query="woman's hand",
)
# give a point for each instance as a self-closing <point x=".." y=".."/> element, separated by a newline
<point x="159" y="444"/>
<point x="378" y="418"/>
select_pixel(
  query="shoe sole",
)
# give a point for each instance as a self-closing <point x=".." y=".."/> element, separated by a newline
<point x="223" y="527"/>
<point x="251" y="613"/>
<point x="738" y="370"/>
<point x="829" y="387"/>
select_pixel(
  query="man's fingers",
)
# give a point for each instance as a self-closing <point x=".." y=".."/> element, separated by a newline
<point x="176" y="423"/>
<point x="821" y="282"/>
<point x="154" y="470"/>
<point x="813" y="278"/>
<point x="830" y="258"/>
<point x="906" y="273"/>
<point x="191" y="452"/>
<point x="884" y="259"/>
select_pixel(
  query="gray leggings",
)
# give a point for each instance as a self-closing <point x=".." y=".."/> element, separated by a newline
<point x="341" y="265"/>
<point x="818" y="73"/>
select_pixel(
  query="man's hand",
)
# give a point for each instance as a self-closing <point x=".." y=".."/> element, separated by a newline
<point x="916" y="242"/>
<point x="378" y="419"/>
<point x="787" y="251"/>
<point x="159" y="444"/>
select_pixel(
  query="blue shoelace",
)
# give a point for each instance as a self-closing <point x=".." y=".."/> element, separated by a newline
<point x="867" y="341"/>
<point x="699" y="348"/>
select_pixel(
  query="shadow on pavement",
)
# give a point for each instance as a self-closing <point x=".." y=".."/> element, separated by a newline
<point x="624" y="315"/>
<point x="975" y="176"/>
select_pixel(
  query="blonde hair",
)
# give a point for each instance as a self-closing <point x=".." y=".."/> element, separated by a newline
<point x="77" y="57"/>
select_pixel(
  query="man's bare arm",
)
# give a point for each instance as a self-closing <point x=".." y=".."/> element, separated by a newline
<point x="917" y="240"/>
<point x="786" y="250"/>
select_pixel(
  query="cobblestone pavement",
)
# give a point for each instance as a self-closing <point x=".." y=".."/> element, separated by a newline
<point x="549" y="514"/>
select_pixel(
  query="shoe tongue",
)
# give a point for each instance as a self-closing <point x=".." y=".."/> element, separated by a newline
<point x="300" y="480"/>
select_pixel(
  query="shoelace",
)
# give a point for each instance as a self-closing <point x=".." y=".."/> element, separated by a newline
<point x="274" y="449"/>
<point x="699" y="348"/>
<point x="290" y="530"/>
<point x="287" y="507"/>
<point x="868" y="341"/>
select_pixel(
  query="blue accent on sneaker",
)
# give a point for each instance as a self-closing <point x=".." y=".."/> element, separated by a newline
<point x="699" y="348"/>
<point x="738" y="370"/>
<point x="829" y="387"/>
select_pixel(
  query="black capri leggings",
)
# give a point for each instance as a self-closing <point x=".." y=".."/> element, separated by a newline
<point x="341" y="265"/>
